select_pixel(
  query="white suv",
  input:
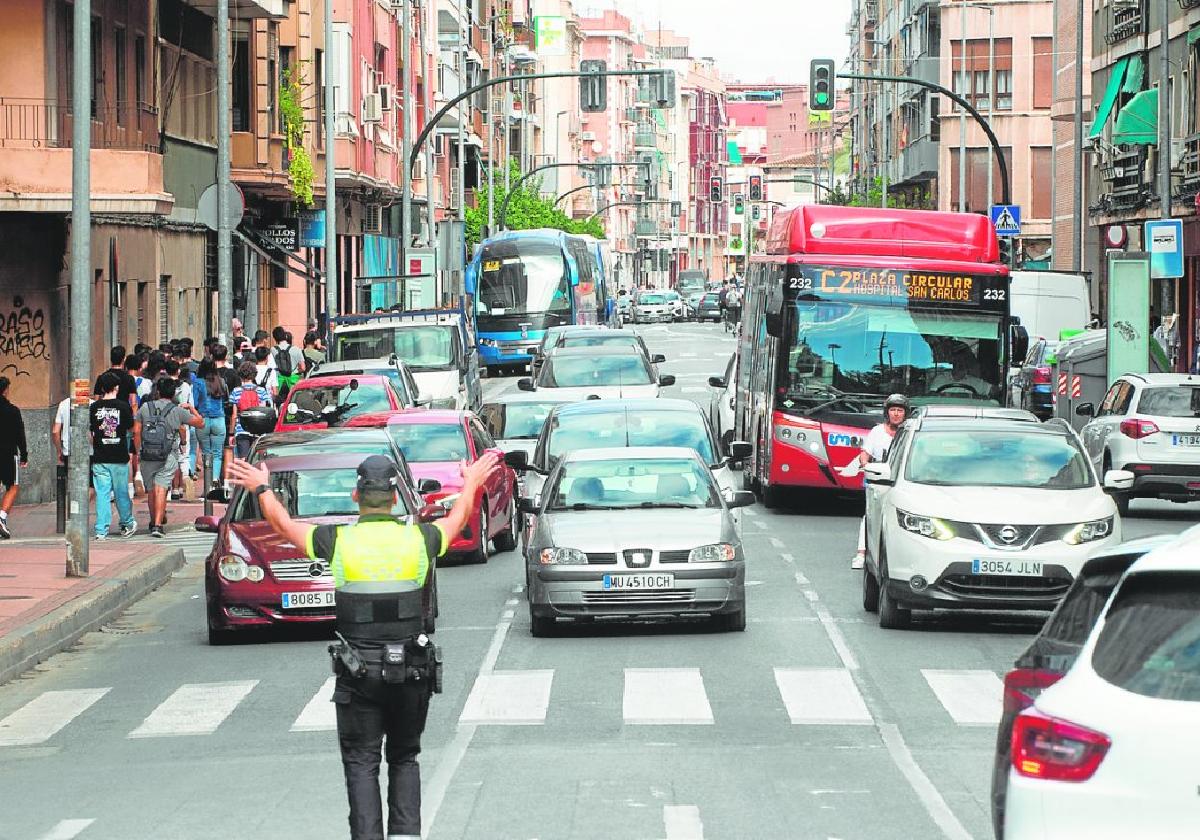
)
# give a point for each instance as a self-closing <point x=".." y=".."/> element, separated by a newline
<point x="1148" y="424"/>
<point x="981" y="512"/>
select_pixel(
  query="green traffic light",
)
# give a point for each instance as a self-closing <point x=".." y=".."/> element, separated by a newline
<point x="822" y="98"/>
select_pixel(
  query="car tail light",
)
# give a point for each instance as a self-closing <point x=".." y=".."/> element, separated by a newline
<point x="1041" y="375"/>
<point x="1023" y="685"/>
<point x="1138" y="429"/>
<point x="1045" y="747"/>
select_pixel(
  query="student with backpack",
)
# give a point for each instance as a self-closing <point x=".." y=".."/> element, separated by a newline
<point x="265" y="374"/>
<point x="250" y="394"/>
<point x="289" y="362"/>
<point x="156" y="433"/>
<point x="209" y="395"/>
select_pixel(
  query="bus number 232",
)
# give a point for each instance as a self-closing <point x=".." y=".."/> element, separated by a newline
<point x="995" y="294"/>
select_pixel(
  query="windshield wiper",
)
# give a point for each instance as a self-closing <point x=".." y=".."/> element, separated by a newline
<point x="676" y="505"/>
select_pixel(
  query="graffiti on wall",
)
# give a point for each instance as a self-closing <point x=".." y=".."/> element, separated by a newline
<point x="25" y="350"/>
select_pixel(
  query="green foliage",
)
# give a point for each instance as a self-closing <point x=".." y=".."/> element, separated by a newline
<point x="873" y="197"/>
<point x="300" y="169"/>
<point x="527" y="209"/>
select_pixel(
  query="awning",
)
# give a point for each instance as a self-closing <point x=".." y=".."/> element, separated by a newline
<point x="1115" y="80"/>
<point x="1137" y="123"/>
<point x="1193" y="35"/>
<point x="735" y="155"/>
<point x="1135" y="74"/>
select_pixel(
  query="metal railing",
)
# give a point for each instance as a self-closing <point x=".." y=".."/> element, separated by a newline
<point x="47" y="124"/>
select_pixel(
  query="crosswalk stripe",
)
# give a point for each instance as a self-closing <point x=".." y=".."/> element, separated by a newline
<point x="821" y="695"/>
<point x="665" y="696"/>
<point x="66" y="830"/>
<point x="970" y="696"/>
<point x="508" y="697"/>
<point x="320" y="712"/>
<point x="194" y="709"/>
<point x="682" y="822"/>
<point x="40" y="718"/>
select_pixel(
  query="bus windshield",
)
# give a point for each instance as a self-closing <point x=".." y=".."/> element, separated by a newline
<point x="835" y="348"/>
<point x="528" y="277"/>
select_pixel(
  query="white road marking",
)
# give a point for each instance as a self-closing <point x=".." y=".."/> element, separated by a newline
<point x="66" y="830"/>
<point x="665" y="696"/>
<point x="319" y="713"/>
<point x="509" y="698"/>
<point x="683" y="822"/>
<point x="693" y="390"/>
<point x="971" y="697"/>
<point x="194" y="709"/>
<point x="925" y="790"/>
<point x="821" y="695"/>
<point x="775" y="541"/>
<point x="41" y="718"/>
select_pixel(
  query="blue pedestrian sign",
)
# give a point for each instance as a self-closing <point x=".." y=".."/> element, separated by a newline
<point x="1006" y="219"/>
<point x="1164" y="241"/>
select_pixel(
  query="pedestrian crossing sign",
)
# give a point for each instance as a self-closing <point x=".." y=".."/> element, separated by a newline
<point x="1006" y="219"/>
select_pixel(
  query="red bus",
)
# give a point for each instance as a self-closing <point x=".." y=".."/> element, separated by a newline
<point x="849" y="305"/>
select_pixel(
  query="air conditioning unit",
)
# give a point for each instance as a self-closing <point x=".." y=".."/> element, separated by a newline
<point x="455" y="183"/>
<point x="439" y="144"/>
<point x="373" y="218"/>
<point x="418" y="171"/>
<point x="587" y="136"/>
<point x="372" y="108"/>
<point x="387" y="97"/>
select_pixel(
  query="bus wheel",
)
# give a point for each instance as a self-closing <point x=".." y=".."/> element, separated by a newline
<point x="772" y="497"/>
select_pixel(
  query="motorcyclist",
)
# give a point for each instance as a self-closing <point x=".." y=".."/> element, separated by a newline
<point x="875" y="448"/>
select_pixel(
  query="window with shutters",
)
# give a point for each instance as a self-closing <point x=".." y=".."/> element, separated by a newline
<point x="1043" y="69"/>
<point x="1040" y="182"/>
<point x="164" y="308"/>
<point x="983" y="57"/>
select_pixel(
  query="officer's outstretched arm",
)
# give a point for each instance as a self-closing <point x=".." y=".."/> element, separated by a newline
<point x="252" y="477"/>
<point x="475" y="477"/>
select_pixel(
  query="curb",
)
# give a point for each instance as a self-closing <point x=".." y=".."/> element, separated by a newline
<point x="59" y="629"/>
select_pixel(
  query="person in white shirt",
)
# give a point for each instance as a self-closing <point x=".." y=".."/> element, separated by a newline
<point x="875" y="448"/>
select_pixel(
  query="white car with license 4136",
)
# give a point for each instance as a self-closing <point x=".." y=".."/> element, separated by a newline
<point x="982" y="513"/>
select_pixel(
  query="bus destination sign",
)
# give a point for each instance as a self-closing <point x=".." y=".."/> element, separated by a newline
<point x="899" y="286"/>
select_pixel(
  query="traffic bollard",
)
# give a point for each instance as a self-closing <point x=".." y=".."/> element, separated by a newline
<point x="60" y="498"/>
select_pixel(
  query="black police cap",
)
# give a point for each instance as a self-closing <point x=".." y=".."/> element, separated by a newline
<point x="378" y="472"/>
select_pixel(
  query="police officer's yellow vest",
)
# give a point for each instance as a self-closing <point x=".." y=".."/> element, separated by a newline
<point x="378" y="550"/>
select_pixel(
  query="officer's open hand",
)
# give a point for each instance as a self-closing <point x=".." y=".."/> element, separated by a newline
<point x="477" y="474"/>
<point x="248" y="475"/>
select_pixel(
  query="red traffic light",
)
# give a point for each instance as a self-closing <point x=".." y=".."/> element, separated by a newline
<point x="756" y="188"/>
<point x="716" y="188"/>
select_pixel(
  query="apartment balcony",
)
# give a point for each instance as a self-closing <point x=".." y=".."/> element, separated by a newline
<point x="1189" y="4"/>
<point x="645" y="139"/>
<point x="918" y="162"/>
<point x="35" y="158"/>
<point x="1189" y="162"/>
<point x="645" y="228"/>
<point x="1124" y="188"/>
<point x="1129" y="18"/>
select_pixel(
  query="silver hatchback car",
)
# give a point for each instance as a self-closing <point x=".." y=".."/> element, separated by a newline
<point x="634" y="532"/>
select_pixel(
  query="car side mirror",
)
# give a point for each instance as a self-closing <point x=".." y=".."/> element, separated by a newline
<point x="429" y="513"/>
<point x="666" y="381"/>
<point x="518" y="459"/>
<point x="525" y="384"/>
<point x="526" y="505"/>
<point x="739" y="449"/>
<point x="716" y="382"/>
<point x="1086" y="410"/>
<point x="428" y="485"/>
<point x="207" y="524"/>
<point x="878" y="473"/>
<point x="1117" y="480"/>
<point x="657" y="358"/>
<point x="740" y="499"/>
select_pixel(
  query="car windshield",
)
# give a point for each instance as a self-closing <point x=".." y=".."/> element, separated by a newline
<point x="671" y="296"/>
<point x="371" y="443"/>
<point x="634" y="483"/>
<point x="594" y="338"/>
<point x="391" y="373"/>
<point x="991" y="458"/>
<point x="517" y="420"/>
<point x="422" y="347"/>
<point x="1176" y="401"/>
<point x="620" y="427"/>
<point x="594" y="371"/>
<point x="429" y="442"/>
<point x="308" y="493"/>
<point x="652" y="299"/>
<point x="1150" y="643"/>
<point x="335" y="402"/>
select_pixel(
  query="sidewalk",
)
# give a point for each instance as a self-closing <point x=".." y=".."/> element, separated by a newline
<point x="42" y="611"/>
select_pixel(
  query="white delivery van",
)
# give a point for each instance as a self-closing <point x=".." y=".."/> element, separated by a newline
<point x="1048" y="302"/>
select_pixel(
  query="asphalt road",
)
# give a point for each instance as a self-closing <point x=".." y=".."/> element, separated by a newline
<point x="814" y="723"/>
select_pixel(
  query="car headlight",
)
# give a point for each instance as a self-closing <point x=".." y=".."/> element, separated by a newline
<point x="562" y="557"/>
<point x="716" y="553"/>
<point x="926" y="526"/>
<point x="233" y="568"/>
<point x="1086" y="532"/>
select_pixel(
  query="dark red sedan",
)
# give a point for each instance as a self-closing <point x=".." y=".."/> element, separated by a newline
<point x="255" y="578"/>
<point x="435" y="443"/>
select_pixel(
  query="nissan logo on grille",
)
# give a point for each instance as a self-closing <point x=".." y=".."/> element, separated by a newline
<point x="1009" y="534"/>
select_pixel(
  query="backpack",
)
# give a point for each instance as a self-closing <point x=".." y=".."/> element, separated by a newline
<point x="248" y="398"/>
<point x="283" y="362"/>
<point x="155" y="434"/>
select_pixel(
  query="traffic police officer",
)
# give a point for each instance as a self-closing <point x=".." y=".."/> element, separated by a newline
<point x="386" y="666"/>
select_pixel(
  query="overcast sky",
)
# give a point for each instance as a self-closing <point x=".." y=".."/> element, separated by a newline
<point x="752" y="40"/>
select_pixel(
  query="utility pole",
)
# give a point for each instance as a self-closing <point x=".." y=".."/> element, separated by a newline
<point x="1164" y="112"/>
<point x="1077" y="151"/>
<point x="489" y="120"/>
<point x="406" y="54"/>
<point x="224" y="234"/>
<point x="81" y="290"/>
<point x="991" y="87"/>
<point x="962" y="115"/>
<point x="331" y="254"/>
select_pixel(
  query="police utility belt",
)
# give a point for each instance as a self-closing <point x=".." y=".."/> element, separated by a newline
<point x="413" y="661"/>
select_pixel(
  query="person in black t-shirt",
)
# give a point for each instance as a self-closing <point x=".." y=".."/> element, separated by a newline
<point x="128" y="387"/>
<point x="111" y="420"/>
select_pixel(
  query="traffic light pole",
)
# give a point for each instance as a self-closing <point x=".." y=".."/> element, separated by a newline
<point x="525" y="176"/>
<point x="608" y="207"/>
<point x="1005" y="185"/>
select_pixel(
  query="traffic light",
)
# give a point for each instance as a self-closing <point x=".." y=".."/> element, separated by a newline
<point x="739" y="206"/>
<point x="593" y="88"/>
<point x="676" y="209"/>
<point x="821" y="77"/>
<point x="756" y="193"/>
<point x="716" y="189"/>
<point x="662" y="89"/>
<point x="756" y="212"/>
